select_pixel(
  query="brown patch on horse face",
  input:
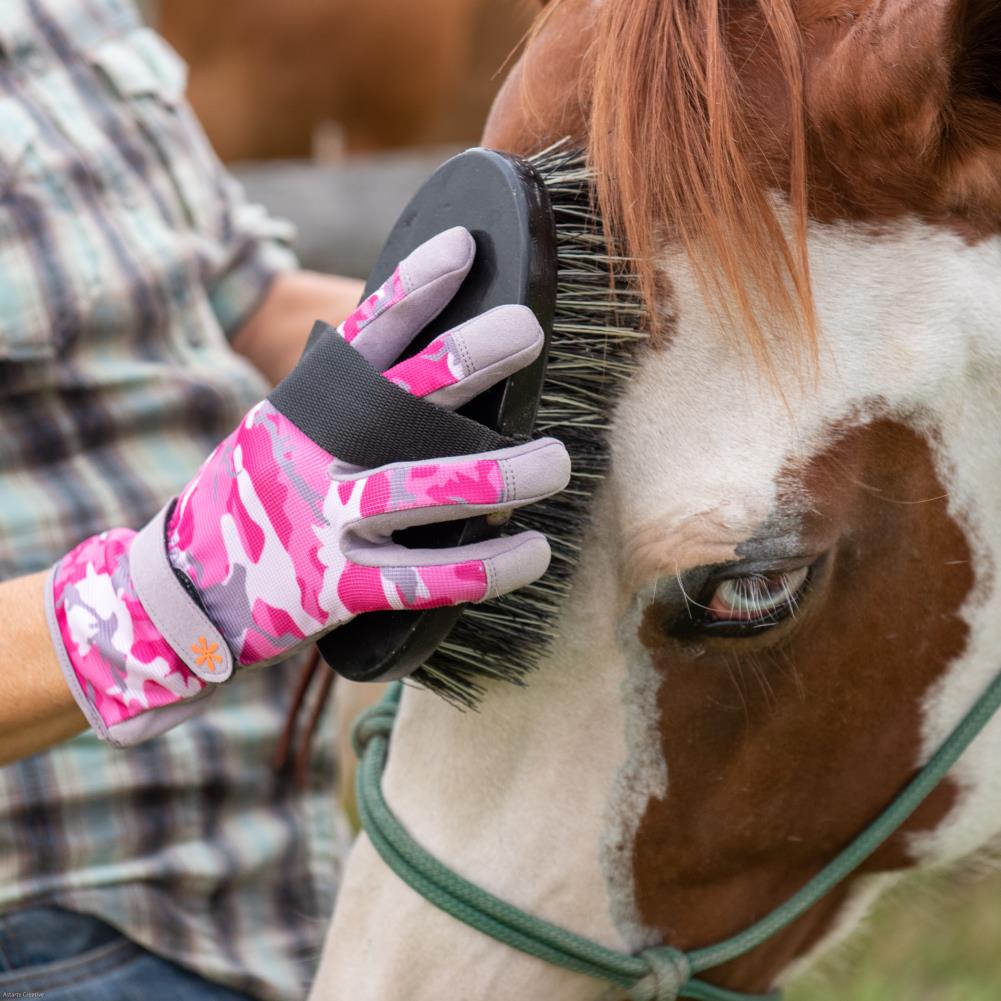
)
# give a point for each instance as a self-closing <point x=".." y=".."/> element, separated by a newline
<point x="544" y="98"/>
<point x="905" y="114"/>
<point x="780" y="752"/>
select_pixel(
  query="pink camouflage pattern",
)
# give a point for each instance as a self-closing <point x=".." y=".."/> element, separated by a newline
<point x="438" y="366"/>
<point x="392" y="291"/>
<point x="123" y="665"/>
<point x="259" y="532"/>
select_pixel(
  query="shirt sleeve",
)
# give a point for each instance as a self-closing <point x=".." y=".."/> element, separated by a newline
<point x="256" y="247"/>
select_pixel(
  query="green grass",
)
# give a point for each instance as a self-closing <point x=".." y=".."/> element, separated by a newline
<point x="938" y="941"/>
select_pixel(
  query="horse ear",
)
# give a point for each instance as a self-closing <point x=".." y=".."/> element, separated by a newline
<point x="975" y="71"/>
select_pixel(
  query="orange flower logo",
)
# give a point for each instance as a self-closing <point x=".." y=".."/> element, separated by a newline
<point x="205" y="654"/>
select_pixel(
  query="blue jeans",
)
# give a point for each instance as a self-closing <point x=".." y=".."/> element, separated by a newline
<point x="57" y="955"/>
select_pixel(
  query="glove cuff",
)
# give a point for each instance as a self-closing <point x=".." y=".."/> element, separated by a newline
<point x="135" y="649"/>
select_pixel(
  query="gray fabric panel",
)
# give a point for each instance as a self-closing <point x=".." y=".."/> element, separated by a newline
<point x="431" y="275"/>
<point x="155" y="722"/>
<point x="526" y="560"/>
<point x="180" y="621"/>
<point x="86" y="706"/>
<point x="492" y="347"/>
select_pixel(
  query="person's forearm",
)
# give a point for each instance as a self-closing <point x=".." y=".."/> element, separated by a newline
<point x="273" y="337"/>
<point x="36" y="707"/>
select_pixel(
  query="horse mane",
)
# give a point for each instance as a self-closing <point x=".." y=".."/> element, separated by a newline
<point x="678" y="149"/>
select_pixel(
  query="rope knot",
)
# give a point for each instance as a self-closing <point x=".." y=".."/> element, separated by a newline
<point x="670" y="970"/>
<point x="374" y="722"/>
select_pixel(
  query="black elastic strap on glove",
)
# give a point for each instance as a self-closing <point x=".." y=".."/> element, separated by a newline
<point x="353" y="412"/>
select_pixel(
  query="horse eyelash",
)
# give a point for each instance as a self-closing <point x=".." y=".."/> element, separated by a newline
<point x="791" y="599"/>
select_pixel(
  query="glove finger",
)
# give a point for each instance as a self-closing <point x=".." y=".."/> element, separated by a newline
<point x="382" y="578"/>
<point x="416" y="292"/>
<point x="459" y="365"/>
<point x="406" y="494"/>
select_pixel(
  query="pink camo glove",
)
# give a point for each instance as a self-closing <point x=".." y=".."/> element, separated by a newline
<point x="275" y="541"/>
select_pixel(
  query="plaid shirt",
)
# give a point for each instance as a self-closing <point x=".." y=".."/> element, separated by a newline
<point x="127" y="258"/>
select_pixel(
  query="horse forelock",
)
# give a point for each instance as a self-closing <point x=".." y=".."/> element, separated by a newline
<point x="676" y="148"/>
<point x="696" y="113"/>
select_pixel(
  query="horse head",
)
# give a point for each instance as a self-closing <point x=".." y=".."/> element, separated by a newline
<point x="788" y="596"/>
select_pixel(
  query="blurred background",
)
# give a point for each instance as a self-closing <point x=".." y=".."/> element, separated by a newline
<point x="332" y="113"/>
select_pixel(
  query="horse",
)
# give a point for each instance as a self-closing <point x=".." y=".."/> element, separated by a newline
<point x="269" y="80"/>
<point x="788" y="594"/>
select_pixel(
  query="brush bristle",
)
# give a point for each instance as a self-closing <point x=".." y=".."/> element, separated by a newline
<point x="599" y="318"/>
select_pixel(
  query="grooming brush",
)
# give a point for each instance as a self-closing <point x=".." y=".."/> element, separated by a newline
<point x="540" y="243"/>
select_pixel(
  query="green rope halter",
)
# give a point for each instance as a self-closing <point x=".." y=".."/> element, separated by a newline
<point x="660" y="974"/>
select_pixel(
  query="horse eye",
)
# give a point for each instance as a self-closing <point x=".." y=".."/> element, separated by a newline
<point x="754" y="600"/>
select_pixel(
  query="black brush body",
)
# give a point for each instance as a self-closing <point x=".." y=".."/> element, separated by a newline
<point x="539" y="242"/>
<point x="504" y="204"/>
